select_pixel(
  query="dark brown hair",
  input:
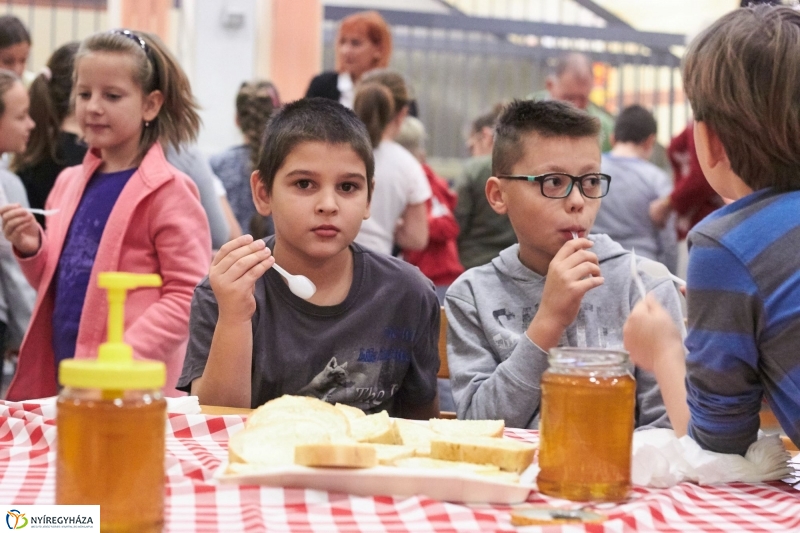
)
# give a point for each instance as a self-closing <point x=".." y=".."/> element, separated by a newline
<point x="177" y="122"/>
<point x="742" y="78"/>
<point x="634" y="125"/>
<point x="374" y="105"/>
<point x="255" y="103"/>
<point x="50" y="104"/>
<point x="547" y="119"/>
<point x="12" y="31"/>
<point x="393" y="81"/>
<point x="312" y="120"/>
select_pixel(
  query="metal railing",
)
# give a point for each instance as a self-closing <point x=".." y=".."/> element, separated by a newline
<point x="462" y="61"/>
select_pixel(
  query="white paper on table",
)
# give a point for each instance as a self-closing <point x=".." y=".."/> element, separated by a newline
<point x="660" y="459"/>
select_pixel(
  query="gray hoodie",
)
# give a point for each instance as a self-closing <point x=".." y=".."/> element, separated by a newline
<point x="496" y="370"/>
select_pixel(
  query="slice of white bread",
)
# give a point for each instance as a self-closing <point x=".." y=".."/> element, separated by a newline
<point x="349" y="411"/>
<point x="290" y="408"/>
<point x="272" y="444"/>
<point x="417" y="435"/>
<point x="468" y="428"/>
<point x="377" y="428"/>
<point x="439" y="464"/>
<point x="353" y="455"/>
<point x="389" y="453"/>
<point x="508" y="454"/>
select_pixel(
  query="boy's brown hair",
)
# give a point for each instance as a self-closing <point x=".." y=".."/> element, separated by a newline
<point x="742" y="78"/>
<point x="548" y="119"/>
<point x="312" y="120"/>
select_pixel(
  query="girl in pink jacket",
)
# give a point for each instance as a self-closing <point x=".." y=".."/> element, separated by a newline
<point x="124" y="209"/>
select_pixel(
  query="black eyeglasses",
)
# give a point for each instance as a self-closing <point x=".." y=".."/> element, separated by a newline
<point x="559" y="184"/>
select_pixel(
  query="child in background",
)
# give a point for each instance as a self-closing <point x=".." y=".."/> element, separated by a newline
<point x="16" y="295"/>
<point x="624" y="214"/>
<point x="255" y="103"/>
<point x="55" y="142"/>
<point x="439" y="261"/>
<point x="367" y="337"/>
<point x="552" y="289"/>
<point x="399" y="214"/>
<point x="123" y="209"/>
<point x="484" y="233"/>
<point x="15" y="47"/>
<point x="744" y="309"/>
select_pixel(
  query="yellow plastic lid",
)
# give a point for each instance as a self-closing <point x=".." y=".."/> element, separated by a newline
<point x="115" y="368"/>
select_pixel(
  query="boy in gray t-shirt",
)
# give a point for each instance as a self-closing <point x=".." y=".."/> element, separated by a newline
<point x="367" y="337"/>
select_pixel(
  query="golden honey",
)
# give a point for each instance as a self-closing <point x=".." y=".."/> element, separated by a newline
<point x="111" y="453"/>
<point x="586" y="427"/>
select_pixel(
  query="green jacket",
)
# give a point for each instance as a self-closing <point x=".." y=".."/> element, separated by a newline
<point x="484" y="233"/>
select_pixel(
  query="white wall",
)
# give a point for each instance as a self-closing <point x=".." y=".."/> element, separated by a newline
<point x="218" y="59"/>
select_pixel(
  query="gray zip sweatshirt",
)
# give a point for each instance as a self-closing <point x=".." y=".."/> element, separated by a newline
<point x="496" y="370"/>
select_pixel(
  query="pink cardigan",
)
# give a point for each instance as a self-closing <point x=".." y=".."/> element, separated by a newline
<point x="156" y="226"/>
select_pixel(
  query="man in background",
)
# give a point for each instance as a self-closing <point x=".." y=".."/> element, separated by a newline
<point x="572" y="81"/>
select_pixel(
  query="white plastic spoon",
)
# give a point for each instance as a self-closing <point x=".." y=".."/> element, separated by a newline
<point x="301" y="286"/>
<point x="636" y="277"/>
<point x="659" y="270"/>
<point x="43" y="212"/>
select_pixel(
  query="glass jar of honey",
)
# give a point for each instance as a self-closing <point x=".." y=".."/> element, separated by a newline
<point x="111" y="425"/>
<point x="111" y="453"/>
<point x="586" y="426"/>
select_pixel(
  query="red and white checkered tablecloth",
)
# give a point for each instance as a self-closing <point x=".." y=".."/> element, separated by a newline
<point x="196" y="444"/>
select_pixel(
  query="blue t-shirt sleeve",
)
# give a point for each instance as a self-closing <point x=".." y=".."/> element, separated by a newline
<point x="724" y="391"/>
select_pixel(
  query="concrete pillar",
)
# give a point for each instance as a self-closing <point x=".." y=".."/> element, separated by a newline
<point x="296" y="50"/>
<point x="146" y="15"/>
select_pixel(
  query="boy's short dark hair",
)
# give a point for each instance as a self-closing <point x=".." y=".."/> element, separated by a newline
<point x="742" y="78"/>
<point x="634" y="125"/>
<point x="548" y="119"/>
<point x="310" y="120"/>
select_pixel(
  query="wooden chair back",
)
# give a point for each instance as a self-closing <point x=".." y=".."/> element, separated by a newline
<point x="444" y="371"/>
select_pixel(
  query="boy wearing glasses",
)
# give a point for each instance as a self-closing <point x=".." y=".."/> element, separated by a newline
<point x="557" y="287"/>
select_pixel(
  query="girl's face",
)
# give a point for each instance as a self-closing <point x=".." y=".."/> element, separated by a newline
<point x="15" y="124"/>
<point x="15" y="57"/>
<point x="111" y="107"/>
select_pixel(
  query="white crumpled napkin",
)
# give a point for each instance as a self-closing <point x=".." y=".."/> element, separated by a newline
<point x="184" y="405"/>
<point x="661" y="460"/>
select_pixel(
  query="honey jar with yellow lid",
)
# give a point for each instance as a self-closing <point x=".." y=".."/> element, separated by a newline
<point x="111" y="423"/>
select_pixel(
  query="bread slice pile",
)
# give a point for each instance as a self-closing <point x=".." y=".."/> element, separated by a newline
<point x="310" y="432"/>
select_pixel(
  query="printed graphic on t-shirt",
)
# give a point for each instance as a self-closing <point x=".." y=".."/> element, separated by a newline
<point x="592" y="327"/>
<point x="369" y="377"/>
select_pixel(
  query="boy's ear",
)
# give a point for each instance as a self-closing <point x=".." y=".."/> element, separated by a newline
<point x="260" y="195"/>
<point x="714" y="153"/>
<point x="369" y="202"/>
<point x="152" y="105"/>
<point x="496" y="195"/>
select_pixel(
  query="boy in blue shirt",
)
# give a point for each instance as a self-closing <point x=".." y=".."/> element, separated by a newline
<point x="742" y="79"/>
<point x="367" y="337"/>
